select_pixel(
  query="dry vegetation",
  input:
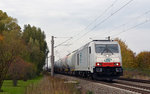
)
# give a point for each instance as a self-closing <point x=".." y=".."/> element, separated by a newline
<point x="135" y="74"/>
<point x="52" y="85"/>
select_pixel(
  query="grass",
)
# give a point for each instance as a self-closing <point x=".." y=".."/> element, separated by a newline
<point x="89" y="92"/>
<point x="8" y="87"/>
<point x="136" y="74"/>
<point x="53" y="85"/>
<point x="46" y="85"/>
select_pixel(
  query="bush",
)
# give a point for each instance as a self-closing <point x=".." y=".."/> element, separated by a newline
<point x="143" y="61"/>
<point x="21" y="70"/>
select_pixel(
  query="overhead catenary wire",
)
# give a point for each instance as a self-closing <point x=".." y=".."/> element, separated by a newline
<point x="62" y="37"/>
<point x="63" y="42"/>
<point x="102" y="13"/>
<point x="130" y="28"/>
<point x="145" y="13"/>
<point x="113" y="3"/>
<point x="107" y="9"/>
<point x="105" y="19"/>
<point x="87" y="25"/>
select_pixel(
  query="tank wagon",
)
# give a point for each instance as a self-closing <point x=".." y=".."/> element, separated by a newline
<point x="100" y="59"/>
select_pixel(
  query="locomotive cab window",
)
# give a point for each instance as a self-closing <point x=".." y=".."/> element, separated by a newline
<point x="106" y="48"/>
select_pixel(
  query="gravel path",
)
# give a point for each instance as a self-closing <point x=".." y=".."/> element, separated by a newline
<point x="96" y="88"/>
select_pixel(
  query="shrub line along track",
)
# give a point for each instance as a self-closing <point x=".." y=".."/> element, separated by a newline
<point x="122" y="85"/>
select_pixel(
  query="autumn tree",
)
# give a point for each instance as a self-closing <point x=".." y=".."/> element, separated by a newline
<point x="7" y="23"/>
<point x="143" y="60"/>
<point x="128" y="57"/>
<point x="9" y="43"/>
<point x="10" y="48"/>
<point x="20" y="69"/>
<point x="29" y="46"/>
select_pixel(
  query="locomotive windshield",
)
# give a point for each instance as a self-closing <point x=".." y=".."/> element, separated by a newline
<point x="106" y="48"/>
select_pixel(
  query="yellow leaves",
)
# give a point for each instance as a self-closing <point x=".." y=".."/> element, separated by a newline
<point x="127" y="55"/>
<point x="129" y="60"/>
<point x="143" y="60"/>
<point x="1" y="37"/>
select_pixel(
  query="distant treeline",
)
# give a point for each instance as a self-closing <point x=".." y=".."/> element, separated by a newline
<point x="130" y="60"/>
<point x="22" y="52"/>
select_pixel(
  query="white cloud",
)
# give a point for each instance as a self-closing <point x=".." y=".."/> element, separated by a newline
<point x="64" y="18"/>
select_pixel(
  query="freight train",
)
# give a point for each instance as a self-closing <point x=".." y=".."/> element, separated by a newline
<point x="98" y="59"/>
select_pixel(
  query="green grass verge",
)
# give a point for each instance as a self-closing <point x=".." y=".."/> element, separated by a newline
<point x="8" y="87"/>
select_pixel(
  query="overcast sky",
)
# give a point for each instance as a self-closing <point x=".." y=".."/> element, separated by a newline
<point x="70" y="18"/>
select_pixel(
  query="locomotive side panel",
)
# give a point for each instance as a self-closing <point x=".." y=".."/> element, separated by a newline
<point x="82" y="59"/>
<point x="91" y="56"/>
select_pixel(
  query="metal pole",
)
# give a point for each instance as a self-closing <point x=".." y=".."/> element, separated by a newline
<point x="52" y="56"/>
<point x="47" y="62"/>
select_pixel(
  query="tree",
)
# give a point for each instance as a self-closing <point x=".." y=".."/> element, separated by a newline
<point x="1" y="37"/>
<point x="128" y="57"/>
<point x="9" y="43"/>
<point x="20" y="69"/>
<point x="10" y="48"/>
<point x="143" y="60"/>
<point x="35" y="40"/>
<point x="8" y="23"/>
<point x="28" y="46"/>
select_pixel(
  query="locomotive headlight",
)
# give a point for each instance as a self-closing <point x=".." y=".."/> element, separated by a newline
<point x="98" y="64"/>
<point x="116" y="64"/>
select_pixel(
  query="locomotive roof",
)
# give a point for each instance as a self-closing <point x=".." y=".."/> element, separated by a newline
<point x="104" y="40"/>
<point x="89" y="43"/>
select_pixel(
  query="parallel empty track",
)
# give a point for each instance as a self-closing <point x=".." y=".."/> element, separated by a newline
<point x="138" y="87"/>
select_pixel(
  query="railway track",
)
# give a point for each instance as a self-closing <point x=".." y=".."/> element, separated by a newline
<point x="135" y="80"/>
<point x="144" y="86"/>
<point x="132" y="86"/>
<point x="128" y="85"/>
